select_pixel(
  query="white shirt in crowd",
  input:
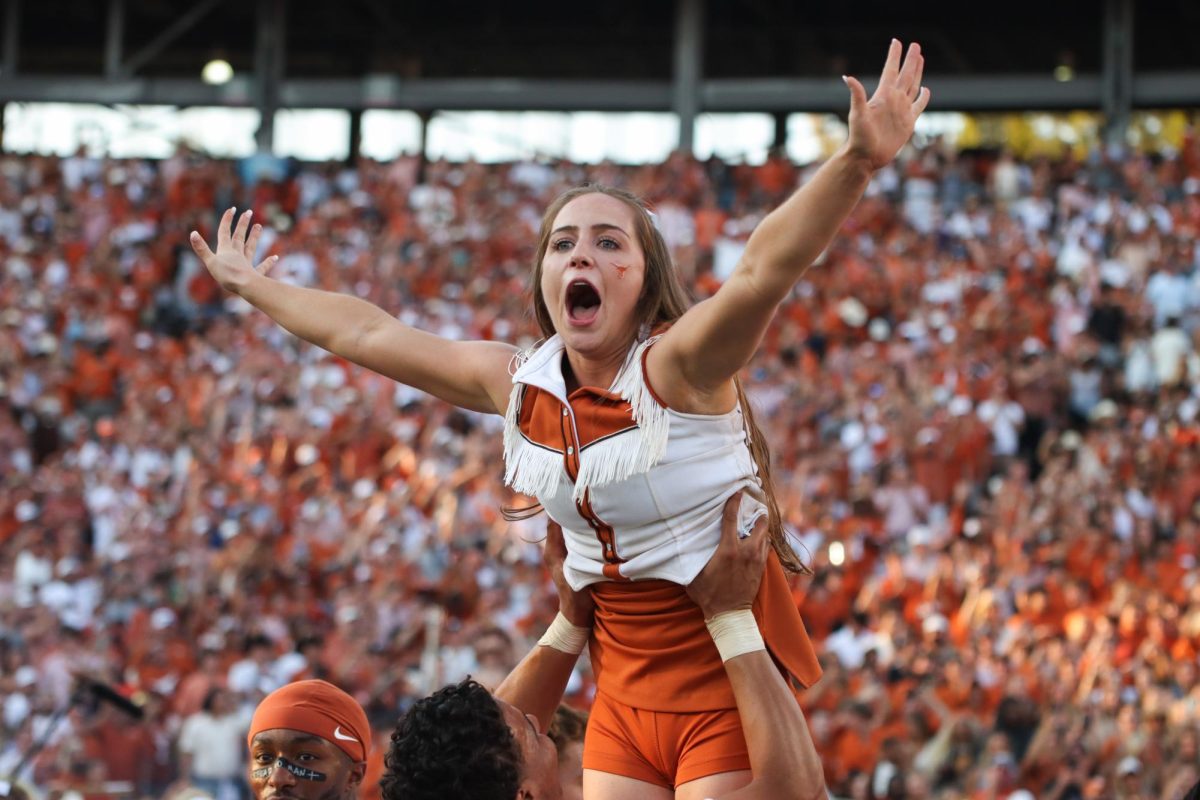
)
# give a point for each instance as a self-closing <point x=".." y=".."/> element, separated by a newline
<point x="1169" y="348"/>
<point x="1170" y="294"/>
<point x="215" y="744"/>
<point x="851" y="646"/>
<point x="1005" y="419"/>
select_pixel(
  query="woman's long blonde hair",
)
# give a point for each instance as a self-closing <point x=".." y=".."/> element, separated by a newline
<point x="663" y="301"/>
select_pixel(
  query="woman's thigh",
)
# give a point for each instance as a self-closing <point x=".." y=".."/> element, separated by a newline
<point x="607" y="786"/>
<point x="712" y="785"/>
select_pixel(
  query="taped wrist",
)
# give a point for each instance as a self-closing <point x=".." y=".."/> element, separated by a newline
<point x="565" y="637"/>
<point x="735" y="633"/>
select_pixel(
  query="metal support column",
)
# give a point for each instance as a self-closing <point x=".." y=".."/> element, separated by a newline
<point x="268" y="69"/>
<point x="1117" y="58"/>
<point x="423" y="144"/>
<point x="114" y="32"/>
<point x="12" y="33"/>
<point x="355" y="136"/>
<point x="779" y="141"/>
<point x="689" y="55"/>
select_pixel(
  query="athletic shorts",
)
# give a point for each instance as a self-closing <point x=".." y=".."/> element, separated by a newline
<point x="650" y="649"/>
<point x="663" y="748"/>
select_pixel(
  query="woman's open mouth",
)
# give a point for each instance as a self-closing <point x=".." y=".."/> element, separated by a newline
<point x="582" y="302"/>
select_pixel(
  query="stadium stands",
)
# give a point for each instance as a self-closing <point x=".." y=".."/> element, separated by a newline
<point x="981" y="402"/>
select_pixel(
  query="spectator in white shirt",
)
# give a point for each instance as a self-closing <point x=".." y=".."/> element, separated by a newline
<point x="1005" y="418"/>
<point x="851" y="642"/>
<point x="1168" y="292"/>
<point x="904" y="504"/>
<point x="1169" y="349"/>
<point x="210" y="747"/>
<point x="252" y="675"/>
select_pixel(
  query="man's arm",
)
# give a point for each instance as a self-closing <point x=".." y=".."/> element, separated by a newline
<point x="783" y="758"/>
<point x="537" y="684"/>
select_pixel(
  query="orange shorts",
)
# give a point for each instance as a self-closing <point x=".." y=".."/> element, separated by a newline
<point x="665" y="711"/>
<point x="660" y="747"/>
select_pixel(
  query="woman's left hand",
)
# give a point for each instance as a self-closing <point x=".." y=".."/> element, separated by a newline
<point x="880" y="126"/>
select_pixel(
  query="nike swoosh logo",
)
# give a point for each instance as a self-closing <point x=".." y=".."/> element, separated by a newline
<point x="337" y="734"/>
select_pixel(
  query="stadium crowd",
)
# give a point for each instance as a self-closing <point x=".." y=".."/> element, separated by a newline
<point x="981" y="406"/>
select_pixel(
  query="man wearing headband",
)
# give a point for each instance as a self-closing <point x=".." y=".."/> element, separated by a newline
<point x="308" y="741"/>
<point x="463" y="743"/>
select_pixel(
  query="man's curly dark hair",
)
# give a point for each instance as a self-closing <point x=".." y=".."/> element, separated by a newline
<point x="453" y="745"/>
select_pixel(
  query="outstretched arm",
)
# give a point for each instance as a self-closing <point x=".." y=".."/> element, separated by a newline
<point x="783" y="758"/>
<point x="537" y="684"/>
<point x="717" y="337"/>
<point x="472" y="375"/>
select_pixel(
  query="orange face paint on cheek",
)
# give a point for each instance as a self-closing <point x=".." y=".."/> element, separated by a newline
<point x="621" y="269"/>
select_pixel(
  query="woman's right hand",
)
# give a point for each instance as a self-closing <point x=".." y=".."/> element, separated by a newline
<point x="230" y="265"/>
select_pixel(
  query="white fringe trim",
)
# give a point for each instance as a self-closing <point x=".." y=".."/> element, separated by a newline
<point x="617" y="458"/>
<point x="607" y="461"/>
<point x="528" y="468"/>
<point x="536" y="471"/>
<point x="522" y="356"/>
<point x="533" y="470"/>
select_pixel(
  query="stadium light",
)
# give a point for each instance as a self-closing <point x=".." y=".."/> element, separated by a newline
<point x="216" y="72"/>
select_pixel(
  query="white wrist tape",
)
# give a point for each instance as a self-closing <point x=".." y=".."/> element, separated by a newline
<point x="735" y="633"/>
<point x="563" y="636"/>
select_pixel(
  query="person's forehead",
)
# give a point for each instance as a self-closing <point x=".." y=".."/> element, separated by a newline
<point x="286" y="737"/>
<point x="596" y="208"/>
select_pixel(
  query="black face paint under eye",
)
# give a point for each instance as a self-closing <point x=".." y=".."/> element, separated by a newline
<point x="304" y="773"/>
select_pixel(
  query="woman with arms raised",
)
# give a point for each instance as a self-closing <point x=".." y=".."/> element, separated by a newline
<point x="629" y="426"/>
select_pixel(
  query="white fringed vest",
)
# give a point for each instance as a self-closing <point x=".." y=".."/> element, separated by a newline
<point x="637" y="487"/>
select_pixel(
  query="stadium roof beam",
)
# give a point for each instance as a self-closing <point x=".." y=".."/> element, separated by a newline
<point x="1028" y="92"/>
<point x="689" y="60"/>
<point x="169" y="34"/>
<point x="979" y="93"/>
<point x="482" y="94"/>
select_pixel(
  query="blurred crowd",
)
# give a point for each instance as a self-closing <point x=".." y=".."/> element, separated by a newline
<point x="986" y="440"/>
